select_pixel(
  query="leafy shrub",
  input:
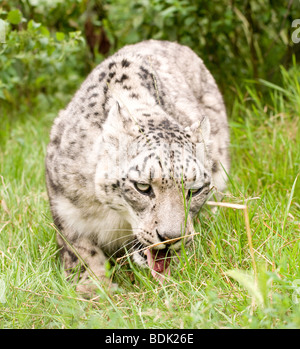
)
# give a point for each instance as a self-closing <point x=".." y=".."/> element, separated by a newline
<point x="237" y="39"/>
<point x="50" y="45"/>
<point x="34" y="60"/>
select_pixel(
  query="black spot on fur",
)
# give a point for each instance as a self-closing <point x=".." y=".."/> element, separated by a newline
<point x="65" y="250"/>
<point x="122" y="79"/>
<point x="111" y="75"/>
<point x="96" y="124"/>
<point x="165" y="124"/>
<point x="214" y="167"/>
<point x="82" y="270"/>
<point x="112" y="64"/>
<point x="134" y="95"/>
<point x="102" y="76"/>
<point x="125" y="63"/>
<point x="91" y="87"/>
<point x="115" y="185"/>
<point x="56" y="140"/>
<point x="145" y="72"/>
<point x="93" y="95"/>
<point x="55" y="187"/>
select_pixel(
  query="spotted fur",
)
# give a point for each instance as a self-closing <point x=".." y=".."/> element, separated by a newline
<point x="151" y="114"/>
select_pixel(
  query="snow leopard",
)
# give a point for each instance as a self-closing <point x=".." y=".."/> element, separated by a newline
<point x="133" y="157"/>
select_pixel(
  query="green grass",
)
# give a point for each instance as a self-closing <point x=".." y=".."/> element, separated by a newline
<point x="213" y="285"/>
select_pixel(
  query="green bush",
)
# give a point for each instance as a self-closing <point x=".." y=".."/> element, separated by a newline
<point x="51" y="45"/>
<point x="237" y="39"/>
<point x="35" y="61"/>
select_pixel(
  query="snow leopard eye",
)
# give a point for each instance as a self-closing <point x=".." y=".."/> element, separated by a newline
<point x="195" y="191"/>
<point x="143" y="188"/>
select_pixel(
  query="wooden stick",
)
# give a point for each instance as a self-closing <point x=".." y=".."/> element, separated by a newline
<point x="226" y="204"/>
<point x="154" y="245"/>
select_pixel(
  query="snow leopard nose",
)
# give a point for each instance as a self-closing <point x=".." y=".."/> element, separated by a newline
<point x="163" y="237"/>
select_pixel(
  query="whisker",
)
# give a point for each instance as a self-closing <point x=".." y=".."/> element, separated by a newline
<point x="124" y="247"/>
<point x="132" y="250"/>
<point x="157" y="244"/>
<point x="119" y="229"/>
<point x="118" y="238"/>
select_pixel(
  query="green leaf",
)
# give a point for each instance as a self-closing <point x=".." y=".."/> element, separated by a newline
<point x="45" y="31"/>
<point x="137" y="21"/>
<point x="44" y="41"/>
<point x="60" y="36"/>
<point x="14" y="16"/>
<point x="7" y="96"/>
<point x="168" y="11"/>
<point x="33" y="25"/>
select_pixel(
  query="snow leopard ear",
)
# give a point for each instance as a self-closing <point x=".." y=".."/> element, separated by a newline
<point x="200" y="131"/>
<point x="121" y="121"/>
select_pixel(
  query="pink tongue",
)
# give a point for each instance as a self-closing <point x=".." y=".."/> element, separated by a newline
<point x="158" y="263"/>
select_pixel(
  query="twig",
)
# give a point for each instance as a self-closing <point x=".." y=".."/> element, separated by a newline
<point x="157" y="244"/>
<point x="226" y="204"/>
